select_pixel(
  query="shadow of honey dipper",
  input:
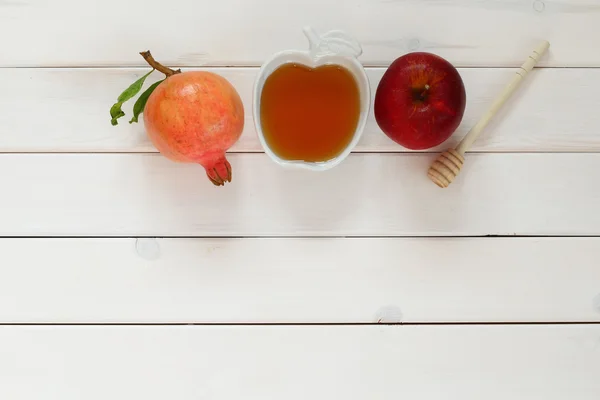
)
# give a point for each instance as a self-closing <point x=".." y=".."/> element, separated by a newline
<point x="448" y="165"/>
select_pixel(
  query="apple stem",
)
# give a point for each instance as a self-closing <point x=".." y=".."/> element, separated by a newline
<point x="423" y="93"/>
<point x="158" y="66"/>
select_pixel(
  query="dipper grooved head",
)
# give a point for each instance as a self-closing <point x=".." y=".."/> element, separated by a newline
<point x="447" y="166"/>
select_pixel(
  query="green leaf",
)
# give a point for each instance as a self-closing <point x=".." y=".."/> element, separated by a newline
<point x="134" y="89"/>
<point x="130" y="92"/>
<point x="116" y="113"/>
<point x="140" y="104"/>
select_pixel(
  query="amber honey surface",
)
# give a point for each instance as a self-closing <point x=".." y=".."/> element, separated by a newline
<point x="309" y="114"/>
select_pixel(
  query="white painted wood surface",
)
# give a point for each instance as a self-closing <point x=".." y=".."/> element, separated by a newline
<point x="365" y="280"/>
<point x="66" y="110"/>
<point x="368" y="195"/>
<point x="63" y="63"/>
<point x="242" y="32"/>
<point x="321" y="362"/>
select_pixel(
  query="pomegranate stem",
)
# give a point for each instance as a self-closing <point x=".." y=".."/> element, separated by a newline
<point x="158" y="66"/>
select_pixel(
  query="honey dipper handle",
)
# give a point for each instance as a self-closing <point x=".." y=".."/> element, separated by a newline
<point x="527" y="66"/>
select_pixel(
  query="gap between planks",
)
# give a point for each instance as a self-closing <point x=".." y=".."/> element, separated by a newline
<point x="404" y="152"/>
<point x="215" y="324"/>
<point x="257" y="66"/>
<point x="290" y="237"/>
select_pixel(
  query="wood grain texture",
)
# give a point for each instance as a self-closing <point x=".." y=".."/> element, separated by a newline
<point x="364" y="280"/>
<point x="285" y="271"/>
<point x="367" y="195"/>
<point x="240" y="32"/>
<point x="66" y="110"/>
<point x="360" y="362"/>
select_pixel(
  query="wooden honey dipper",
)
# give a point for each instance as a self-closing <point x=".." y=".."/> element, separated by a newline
<point x="448" y="165"/>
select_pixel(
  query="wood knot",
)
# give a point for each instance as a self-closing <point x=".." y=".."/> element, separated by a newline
<point x="447" y="166"/>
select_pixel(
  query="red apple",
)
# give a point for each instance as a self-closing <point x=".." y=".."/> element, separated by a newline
<point x="420" y="100"/>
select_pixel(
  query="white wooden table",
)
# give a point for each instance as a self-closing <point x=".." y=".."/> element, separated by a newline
<point x="126" y="276"/>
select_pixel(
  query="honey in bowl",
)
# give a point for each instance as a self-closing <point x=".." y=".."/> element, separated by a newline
<point x="309" y="114"/>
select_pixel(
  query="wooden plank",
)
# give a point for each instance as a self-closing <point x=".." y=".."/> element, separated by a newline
<point x="368" y="195"/>
<point x="238" y="32"/>
<point x="299" y="280"/>
<point x="59" y="126"/>
<point x="275" y="362"/>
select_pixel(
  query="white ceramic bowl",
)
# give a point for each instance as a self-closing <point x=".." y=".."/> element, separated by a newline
<point x="334" y="47"/>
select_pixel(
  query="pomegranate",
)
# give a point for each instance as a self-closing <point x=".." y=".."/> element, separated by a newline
<point x="193" y="117"/>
